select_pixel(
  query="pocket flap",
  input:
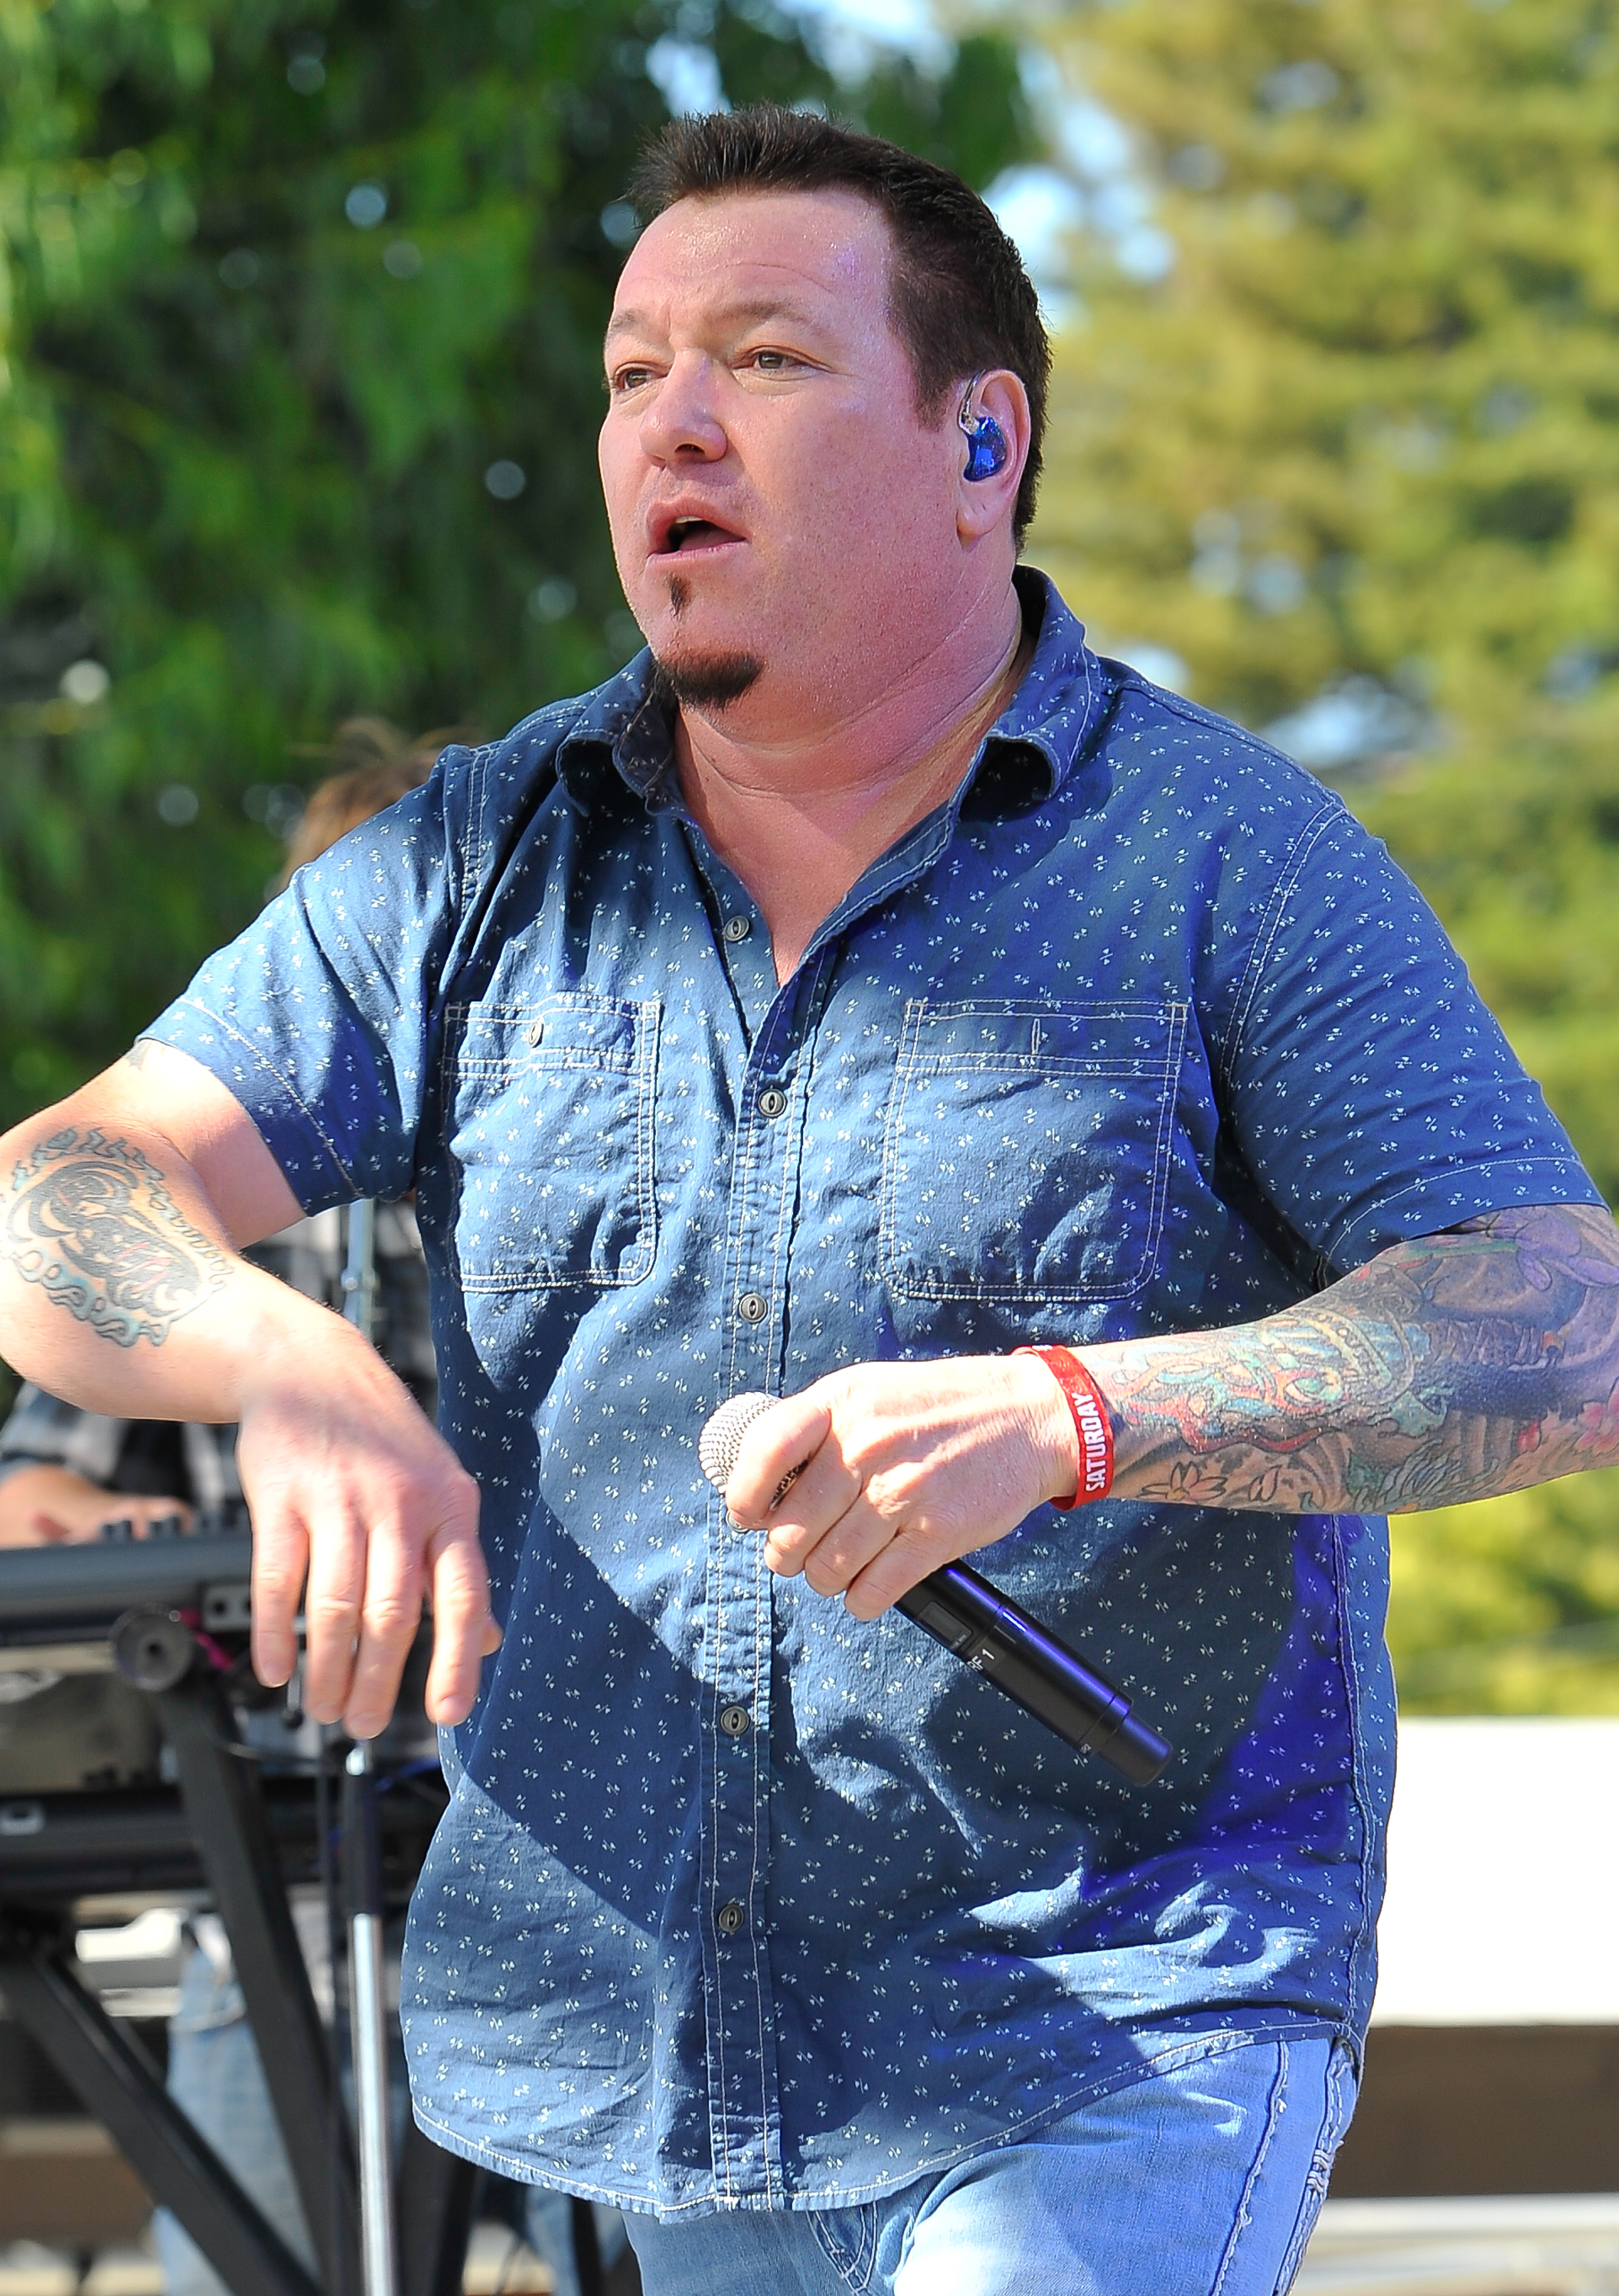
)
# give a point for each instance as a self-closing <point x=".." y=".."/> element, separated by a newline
<point x="573" y="1030"/>
<point x="1021" y="1033"/>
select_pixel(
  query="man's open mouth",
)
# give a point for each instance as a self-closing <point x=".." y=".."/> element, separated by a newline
<point x="690" y="534"/>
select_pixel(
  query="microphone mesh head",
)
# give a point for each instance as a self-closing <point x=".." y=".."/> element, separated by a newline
<point x="720" y="1440"/>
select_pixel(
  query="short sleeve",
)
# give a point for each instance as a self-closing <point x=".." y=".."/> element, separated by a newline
<point x="318" y="1019"/>
<point x="1371" y="1093"/>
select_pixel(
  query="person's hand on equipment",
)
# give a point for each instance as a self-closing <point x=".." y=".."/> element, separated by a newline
<point x="905" y="1467"/>
<point x="46" y="1505"/>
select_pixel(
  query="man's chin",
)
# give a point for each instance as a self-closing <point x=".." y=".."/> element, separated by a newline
<point x="711" y="680"/>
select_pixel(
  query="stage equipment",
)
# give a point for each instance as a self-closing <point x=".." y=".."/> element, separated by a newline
<point x="363" y="1879"/>
<point x="149" y="1637"/>
<point x="367" y="2016"/>
<point x="987" y="1631"/>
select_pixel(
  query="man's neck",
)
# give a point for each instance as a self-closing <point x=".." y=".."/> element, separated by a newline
<point x="801" y="812"/>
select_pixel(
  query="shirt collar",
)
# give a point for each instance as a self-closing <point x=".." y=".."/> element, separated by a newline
<point x="1026" y="756"/>
<point x="1045" y="728"/>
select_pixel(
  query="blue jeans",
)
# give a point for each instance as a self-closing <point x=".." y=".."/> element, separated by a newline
<point x="215" y="2076"/>
<point x="547" y="2227"/>
<point x="1205" y="2180"/>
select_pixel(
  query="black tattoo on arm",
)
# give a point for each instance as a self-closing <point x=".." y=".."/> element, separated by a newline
<point x="1452" y="1368"/>
<point x="91" y="1221"/>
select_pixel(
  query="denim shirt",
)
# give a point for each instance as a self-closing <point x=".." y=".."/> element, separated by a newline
<point x="740" y="1902"/>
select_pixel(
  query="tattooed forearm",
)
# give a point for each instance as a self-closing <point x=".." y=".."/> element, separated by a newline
<point x="1449" y="1368"/>
<point x="90" y="1220"/>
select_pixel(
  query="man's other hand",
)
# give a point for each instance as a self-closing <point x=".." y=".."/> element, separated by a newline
<point x="161" y="1176"/>
<point x="360" y="1506"/>
<point x="46" y="1505"/>
<point x="905" y="1467"/>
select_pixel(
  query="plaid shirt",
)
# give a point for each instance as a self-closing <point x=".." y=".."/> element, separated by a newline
<point x="198" y="1463"/>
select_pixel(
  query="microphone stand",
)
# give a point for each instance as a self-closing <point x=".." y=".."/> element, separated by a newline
<point x="368" y="2019"/>
<point x="363" y="1894"/>
<point x="359" y="1271"/>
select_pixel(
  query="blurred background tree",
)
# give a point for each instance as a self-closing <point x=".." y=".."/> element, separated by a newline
<point x="301" y="321"/>
<point x="1344" y="464"/>
<point x="302" y="326"/>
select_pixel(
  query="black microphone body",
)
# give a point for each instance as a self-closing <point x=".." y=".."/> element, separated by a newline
<point x="985" y="1631"/>
<point x="990" y="1633"/>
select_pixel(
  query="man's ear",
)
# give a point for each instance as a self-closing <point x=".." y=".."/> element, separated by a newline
<point x="996" y="398"/>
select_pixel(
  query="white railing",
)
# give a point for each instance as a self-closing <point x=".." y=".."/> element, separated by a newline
<point x="1550" y="2245"/>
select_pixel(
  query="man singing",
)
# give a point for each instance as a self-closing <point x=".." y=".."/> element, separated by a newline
<point x="866" y="988"/>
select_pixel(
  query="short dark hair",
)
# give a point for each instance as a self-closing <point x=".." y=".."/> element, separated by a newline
<point x="960" y="299"/>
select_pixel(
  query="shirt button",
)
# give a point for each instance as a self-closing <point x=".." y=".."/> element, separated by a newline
<point x="537" y="1032"/>
<point x="752" y="1307"/>
<point x="737" y="928"/>
<point x="733" y="1720"/>
<point x="772" y="1100"/>
<point x="730" y="1918"/>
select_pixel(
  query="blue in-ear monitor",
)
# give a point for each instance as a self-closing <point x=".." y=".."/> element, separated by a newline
<point x="987" y="448"/>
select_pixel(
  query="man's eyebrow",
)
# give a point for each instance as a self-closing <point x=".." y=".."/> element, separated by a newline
<point x="750" y="311"/>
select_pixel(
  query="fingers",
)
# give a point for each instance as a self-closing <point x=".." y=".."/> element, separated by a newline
<point x="280" y="1556"/>
<point x="361" y="1511"/>
<point x="332" y="1619"/>
<point x="902" y="1466"/>
<point x="902" y="1562"/>
<point x="82" y="1520"/>
<point x="449" y="1565"/>
<point x="807" y="1514"/>
<point x="865" y="1553"/>
<point x="362" y="1607"/>
<point x="825" y="1524"/>
<point x="793" y="1446"/>
<point x="778" y="1444"/>
<point x="837" y="1558"/>
<point x="464" y="1634"/>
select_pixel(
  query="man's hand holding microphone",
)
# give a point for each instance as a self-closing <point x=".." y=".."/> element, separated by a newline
<point x="873" y="1481"/>
<point x="899" y="1467"/>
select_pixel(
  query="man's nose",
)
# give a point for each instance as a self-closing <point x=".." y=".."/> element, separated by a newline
<point x="680" y="425"/>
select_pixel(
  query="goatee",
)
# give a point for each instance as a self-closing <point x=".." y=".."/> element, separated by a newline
<point x="710" y="681"/>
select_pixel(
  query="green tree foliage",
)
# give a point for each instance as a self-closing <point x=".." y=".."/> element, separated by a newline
<point x="1512" y="1606"/>
<point x="302" y="320"/>
<point x="1359" y="446"/>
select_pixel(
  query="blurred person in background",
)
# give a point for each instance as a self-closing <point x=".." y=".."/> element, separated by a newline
<point x="68" y="1476"/>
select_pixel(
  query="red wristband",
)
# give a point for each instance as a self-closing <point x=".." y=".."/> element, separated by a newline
<point x="1091" y="1422"/>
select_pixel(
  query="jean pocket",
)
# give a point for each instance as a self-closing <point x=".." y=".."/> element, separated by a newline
<point x="1026" y="1152"/>
<point x="1342" y="2088"/>
<point x="550" y="1122"/>
<point x="848" y="2239"/>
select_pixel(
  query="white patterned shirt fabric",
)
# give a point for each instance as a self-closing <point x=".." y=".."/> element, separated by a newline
<point x="740" y="1902"/>
<point x="161" y="1459"/>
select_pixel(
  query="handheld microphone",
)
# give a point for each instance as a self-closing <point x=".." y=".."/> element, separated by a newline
<point x="987" y="1631"/>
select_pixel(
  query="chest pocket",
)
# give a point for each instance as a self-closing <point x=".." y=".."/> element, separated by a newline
<point x="551" y="1123"/>
<point x="1027" y="1148"/>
